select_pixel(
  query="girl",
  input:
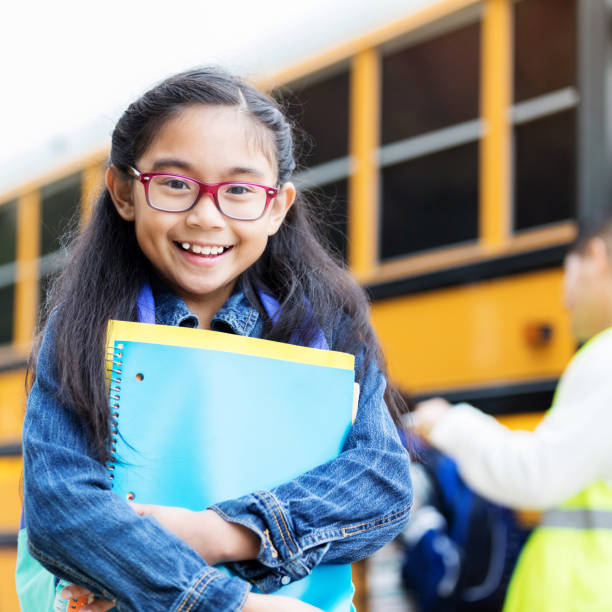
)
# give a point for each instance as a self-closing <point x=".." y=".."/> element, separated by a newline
<point x="182" y="157"/>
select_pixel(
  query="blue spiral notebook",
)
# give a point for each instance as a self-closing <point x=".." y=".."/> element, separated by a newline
<point x="204" y="416"/>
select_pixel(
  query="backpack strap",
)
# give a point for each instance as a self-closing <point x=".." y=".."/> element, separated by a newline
<point x="273" y="310"/>
<point x="145" y="304"/>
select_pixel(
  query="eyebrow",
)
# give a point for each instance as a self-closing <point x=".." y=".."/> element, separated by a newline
<point x="172" y="163"/>
<point x="187" y="167"/>
<point x="246" y="170"/>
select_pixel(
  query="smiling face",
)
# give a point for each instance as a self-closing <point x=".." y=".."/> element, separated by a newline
<point x="200" y="253"/>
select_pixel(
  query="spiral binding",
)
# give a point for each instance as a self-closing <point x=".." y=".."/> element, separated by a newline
<point x="115" y="375"/>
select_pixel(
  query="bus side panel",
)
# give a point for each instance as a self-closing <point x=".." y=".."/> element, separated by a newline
<point x="475" y="334"/>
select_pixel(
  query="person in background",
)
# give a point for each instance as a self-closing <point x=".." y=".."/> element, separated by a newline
<point x="564" y="467"/>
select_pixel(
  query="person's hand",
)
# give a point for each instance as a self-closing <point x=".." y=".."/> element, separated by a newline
<point x="74" y="591"/>
<point x="427" y="414"/>
<point x="276" y="603"/>
<point x="213" y="538"/>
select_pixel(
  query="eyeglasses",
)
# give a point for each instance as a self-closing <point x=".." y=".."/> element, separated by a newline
<point x="175" y="193"/>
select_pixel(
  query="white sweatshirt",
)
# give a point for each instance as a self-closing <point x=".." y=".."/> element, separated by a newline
<point x="569" y="450"/>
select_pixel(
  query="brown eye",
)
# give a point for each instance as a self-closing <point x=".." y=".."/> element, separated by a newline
<point x="237" y="189"/>
<point x="175" y="184"/>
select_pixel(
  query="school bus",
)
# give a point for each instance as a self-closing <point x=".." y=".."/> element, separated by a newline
<point x="454" y="151"/>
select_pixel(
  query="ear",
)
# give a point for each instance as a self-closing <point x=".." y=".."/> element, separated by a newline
<point x="597" y="251"/>
<point x="280" y="207"/>
<point x="120" y="189"/>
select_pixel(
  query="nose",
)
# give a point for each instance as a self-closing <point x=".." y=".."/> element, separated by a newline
<point x="205" y="213"/>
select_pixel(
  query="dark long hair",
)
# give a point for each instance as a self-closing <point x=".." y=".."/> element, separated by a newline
<point x="106" y="268"/>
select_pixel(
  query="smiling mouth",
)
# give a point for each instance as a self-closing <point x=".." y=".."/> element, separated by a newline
<point x="203" y="251"/>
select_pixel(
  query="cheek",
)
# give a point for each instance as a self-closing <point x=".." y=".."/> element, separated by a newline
<point x="143" y="233"/>
<point x="253" y="236"/>
<point x="151" y="226"/>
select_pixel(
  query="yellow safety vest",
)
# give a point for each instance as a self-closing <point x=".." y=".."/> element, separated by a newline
<point x="566" y="565"/>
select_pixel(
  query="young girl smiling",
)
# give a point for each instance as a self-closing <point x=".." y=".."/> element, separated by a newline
<point x="199" y="206"/>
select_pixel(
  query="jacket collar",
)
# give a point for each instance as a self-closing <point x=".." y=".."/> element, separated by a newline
<point x="236" y="316"/>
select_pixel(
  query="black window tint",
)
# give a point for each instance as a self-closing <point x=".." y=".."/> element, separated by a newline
<point x="544" y="47"/>
<point x="430" y="202"/>
<point x="60" y="205"/>
<point x="321" y="110"/>
<point x="8" y="232"/>
<point x="331" y="205"/>
<point x="545" y="170"/>
<point x="431" y="85"/>
<point x="7" y="297"/>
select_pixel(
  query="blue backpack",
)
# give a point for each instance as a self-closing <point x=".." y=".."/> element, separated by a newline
<point x="460" y="549"/>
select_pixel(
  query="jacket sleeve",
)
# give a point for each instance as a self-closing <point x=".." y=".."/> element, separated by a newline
<point x="83" y="532"/>
<point x="339" y="512"/>
<point x="535" y="470"/>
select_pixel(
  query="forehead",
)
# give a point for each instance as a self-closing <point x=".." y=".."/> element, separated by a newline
<point x="217" y="135"/>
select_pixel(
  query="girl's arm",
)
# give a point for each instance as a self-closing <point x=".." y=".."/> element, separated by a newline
<point x="214" y="539"/>
<point x="83" y="532"/>
<point x="339" y="512"/>
<point x="254" y="603"/>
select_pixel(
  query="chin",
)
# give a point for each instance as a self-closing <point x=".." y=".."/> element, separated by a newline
<point x="204" y="290"/>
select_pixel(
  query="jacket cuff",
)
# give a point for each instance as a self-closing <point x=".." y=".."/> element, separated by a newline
<point x="214" y="590"/>
<point x="281" y="560"/>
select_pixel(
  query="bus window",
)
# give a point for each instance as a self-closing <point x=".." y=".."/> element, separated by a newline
<point x="430" y="134"/>
<point x="431" y="85"/>
<point x="60" y="204"/>
<point x="544" y="112"/>
<point x="545" y="168"/>
<point x="59" y="214"/>
<point x="320" y="110"/>
<point x="430" y="201"/>
<point x="544" y="47"/>
<point x="331" y="200"/>
<point x="8" y="233"/>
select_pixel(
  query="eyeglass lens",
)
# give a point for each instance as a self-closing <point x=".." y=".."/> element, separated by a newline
<point x="235" y="200"/>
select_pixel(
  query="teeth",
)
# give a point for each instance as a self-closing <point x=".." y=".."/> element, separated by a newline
<point x="202" y="250"/>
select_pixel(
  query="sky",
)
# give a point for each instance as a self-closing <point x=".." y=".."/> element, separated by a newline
<point x="69" y="67"/>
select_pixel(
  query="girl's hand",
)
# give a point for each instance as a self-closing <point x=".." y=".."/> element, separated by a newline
<point x="427" y="414"/>
<point x="276" y="603"/>
<point x="94" y="605"/>
<point x="213" y="538"/>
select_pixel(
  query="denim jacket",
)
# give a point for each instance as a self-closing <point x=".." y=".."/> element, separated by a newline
<point x="81" y="531"/>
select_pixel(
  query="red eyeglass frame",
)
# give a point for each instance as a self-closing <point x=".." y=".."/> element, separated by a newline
<point x="211" y="188"/>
